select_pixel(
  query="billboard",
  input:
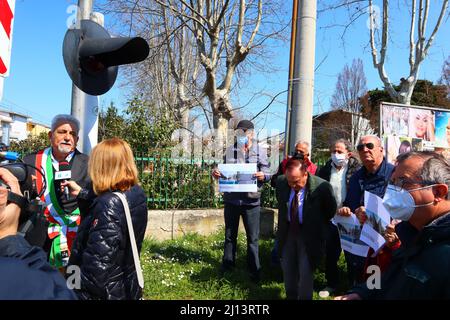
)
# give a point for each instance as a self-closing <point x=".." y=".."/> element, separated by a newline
<point x="413" y="128"/>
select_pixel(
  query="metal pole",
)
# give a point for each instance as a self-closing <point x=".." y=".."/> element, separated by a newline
<point x="303" y="81"/>
<point x="291" y="76"/>
<point x="84" y="106"/>
<point x="84" y="9"/>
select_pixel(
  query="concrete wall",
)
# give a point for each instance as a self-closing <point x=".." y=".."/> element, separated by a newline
<point x="170" y="224"/>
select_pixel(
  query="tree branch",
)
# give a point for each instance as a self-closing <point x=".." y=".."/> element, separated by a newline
<point x="266" y="107"/>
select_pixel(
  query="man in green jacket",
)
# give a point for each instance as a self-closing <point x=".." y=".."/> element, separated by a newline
<point x="418" y="193"/>
<point x="305" y="204"/>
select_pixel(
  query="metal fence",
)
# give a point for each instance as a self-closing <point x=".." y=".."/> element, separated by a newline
<point x="183" y="183"/>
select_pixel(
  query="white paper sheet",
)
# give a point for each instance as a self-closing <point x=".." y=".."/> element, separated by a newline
<point x="372" y="238"/>
<point x="238" y="177"/>
<point x="349" y="233"/>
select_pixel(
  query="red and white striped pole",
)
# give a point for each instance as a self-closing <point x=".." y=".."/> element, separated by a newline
<point x="6" y="27"/>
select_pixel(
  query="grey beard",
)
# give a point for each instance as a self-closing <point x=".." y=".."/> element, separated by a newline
<point x="64" y="149"/>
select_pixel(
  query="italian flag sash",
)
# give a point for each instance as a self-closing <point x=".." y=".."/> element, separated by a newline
<point x="63" y="227"/>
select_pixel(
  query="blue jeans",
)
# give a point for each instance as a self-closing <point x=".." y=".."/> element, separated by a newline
<point x="250" y="216"/>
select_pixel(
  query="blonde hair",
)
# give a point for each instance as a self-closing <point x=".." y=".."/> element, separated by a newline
<point x="111" y="166"/>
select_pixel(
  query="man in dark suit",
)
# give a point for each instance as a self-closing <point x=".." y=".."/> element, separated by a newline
<point x="56" y="229"/>
<point x="305" y="203"/>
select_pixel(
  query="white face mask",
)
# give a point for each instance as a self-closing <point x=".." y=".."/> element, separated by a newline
<point x="400" y="203"/>
<point x="339" y="159"/>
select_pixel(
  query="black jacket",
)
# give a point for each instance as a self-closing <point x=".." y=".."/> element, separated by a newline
<point x="26" y="275"/>
<point x="353" y="166"/>
<point x="37" y="235"/>
<point x="102" y="248"/>
<point x="417" y="271"/>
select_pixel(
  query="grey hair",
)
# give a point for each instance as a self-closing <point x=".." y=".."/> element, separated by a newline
<point x="305" y="143"/>
<point x="65" y="118"/>
<point x="380" y="143"/>
<point x="345" y="142"/>
<point x="435" y="168"/>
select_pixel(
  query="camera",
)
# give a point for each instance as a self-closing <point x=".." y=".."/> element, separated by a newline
<point x="29" y="206"/>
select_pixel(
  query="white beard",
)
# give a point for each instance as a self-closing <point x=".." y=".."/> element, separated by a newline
<point x="64" y="149"/>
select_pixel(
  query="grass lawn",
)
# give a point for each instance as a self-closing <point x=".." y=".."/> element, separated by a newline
<point x="188" y="268"/>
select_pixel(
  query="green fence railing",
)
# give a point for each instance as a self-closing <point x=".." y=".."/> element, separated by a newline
<point x="183" y="183"/>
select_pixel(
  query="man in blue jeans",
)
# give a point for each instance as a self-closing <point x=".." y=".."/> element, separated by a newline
<point x="245" y="204"/>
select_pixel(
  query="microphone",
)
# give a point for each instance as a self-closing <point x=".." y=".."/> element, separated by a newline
<point x="64" y="174"/>
<point x="9" y="155"/>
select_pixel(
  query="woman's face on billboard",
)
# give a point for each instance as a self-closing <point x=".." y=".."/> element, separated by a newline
<point x="421" y="124"/>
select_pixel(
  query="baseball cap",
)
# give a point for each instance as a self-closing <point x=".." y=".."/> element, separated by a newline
<point x="245" y="125"/>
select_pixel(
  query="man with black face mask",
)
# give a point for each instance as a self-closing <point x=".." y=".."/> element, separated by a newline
<point x="418" y="192"/>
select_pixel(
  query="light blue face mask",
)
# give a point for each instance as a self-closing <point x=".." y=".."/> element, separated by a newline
<point x="339" y="159"/>
<point x="400" y="203"/>
<point x="242" y="140"/>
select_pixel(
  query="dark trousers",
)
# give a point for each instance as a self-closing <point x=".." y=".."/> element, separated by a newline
<point x="298" y="274"/>
<point x="332" y="253"/>
<point x="355" y="268"/>
<point x="250" y="216"/>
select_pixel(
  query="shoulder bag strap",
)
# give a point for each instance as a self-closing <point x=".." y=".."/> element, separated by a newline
<point x="137" y="263"/>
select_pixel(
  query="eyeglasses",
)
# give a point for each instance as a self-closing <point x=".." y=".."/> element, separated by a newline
<point x="400" y="183"/>
<point x="360" y="147"/>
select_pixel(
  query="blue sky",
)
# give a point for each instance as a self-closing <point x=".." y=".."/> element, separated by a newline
<point x="40" y="87"/>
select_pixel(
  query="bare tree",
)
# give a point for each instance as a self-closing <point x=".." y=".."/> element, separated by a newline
<point x="199" y="48"/>
<point x="225" y="32"/>
<point x="445" y="77"/>
<point x="419" y="43"/>
<point x="170" y="76"/>
<point x="350" y="87"/>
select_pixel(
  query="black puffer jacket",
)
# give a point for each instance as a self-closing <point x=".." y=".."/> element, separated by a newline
<point x="102" y="248"/>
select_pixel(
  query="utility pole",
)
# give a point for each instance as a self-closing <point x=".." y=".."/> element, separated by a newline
<point x="85" y="106"/>
<point x="301" y="82"/>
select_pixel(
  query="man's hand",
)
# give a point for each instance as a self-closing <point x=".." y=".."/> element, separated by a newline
<point x="344" y="211"/>
<point x="9" y="212"/>
<point x="259" y="176"/>
<point x="351" y="296"/>
<point x="390" y="236"/>
<point x="360" y="213"/>
<point x="216" y="174"/>
<point x="74" y="188"/>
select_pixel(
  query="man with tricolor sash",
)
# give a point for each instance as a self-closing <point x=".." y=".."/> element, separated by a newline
<point x="56" y="229"/>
